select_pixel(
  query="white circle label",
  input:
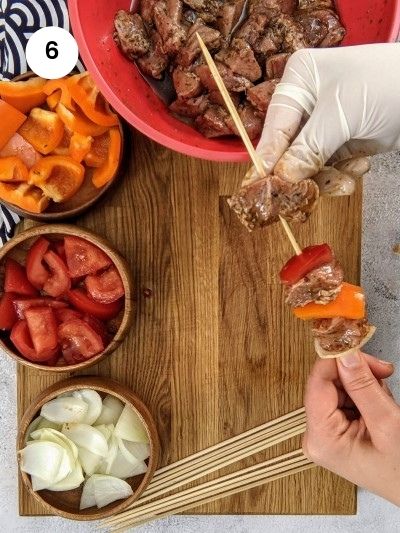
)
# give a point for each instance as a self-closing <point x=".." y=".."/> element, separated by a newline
<point x="52" y="52"/>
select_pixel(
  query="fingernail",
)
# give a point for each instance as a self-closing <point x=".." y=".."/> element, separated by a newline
<point x="351" y="360"/>
<point x="388" y="363"/>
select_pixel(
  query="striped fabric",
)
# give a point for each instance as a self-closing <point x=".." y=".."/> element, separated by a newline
<point x="18" y="20"/>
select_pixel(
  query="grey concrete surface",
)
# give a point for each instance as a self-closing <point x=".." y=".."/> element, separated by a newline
<point x="381" y="279"/>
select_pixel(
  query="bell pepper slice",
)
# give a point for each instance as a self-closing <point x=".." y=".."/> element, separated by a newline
<point x="350" y="303"/>
<point x="24" y="196"/>
<point x="106" y="172"/>
<point x="78" y="122"/>
<point x="43" y="130"/>
<point x="17" y="146"/>
<point x="59" y="177"/>
<point x="63" y="147"/>
<point x="59" y="87"/>
<point x="85" y="93"/>
<point x="80" y="146"/>
<point x="13" y="169"/>
<point x="299" y="265"/>
<point x="11" y="120"/>
<point x="53" y="100"/>
<point x="24" y="95"/>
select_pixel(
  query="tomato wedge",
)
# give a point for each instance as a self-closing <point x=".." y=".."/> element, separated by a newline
<point x="84" y="257"/>
<point x="63" y="315"/>
<point x="106" y="287"/>
<point x="98" y="326"/>
<point x="8" y="316"/>
<point x="310" y="258"/>
<point x="59" y="249"/>
<point x="78" y="340"/>
<point x="58" y="282"/>
<point x="16" y="279"/>
<point x="22" y="305"/>
<point x="35" y="270"/>
<point x="43" y="329"/>
<point x="21" y="339"/>
<point x="86" y="304"/>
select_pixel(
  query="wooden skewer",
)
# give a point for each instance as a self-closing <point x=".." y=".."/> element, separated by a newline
<point x="256" y="159"/>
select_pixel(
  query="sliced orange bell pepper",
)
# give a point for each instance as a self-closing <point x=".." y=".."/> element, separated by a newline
<point x="98" y="153"/>
<point x="63" y="147"/>
<point x="106" y="172"/>
<point x="24" y="196"/>
<point x="13" y="169"/>
<point x="24" y="95"/>
<point x="17" y="146"/>
<point x="350" y="303"/>
<point x="85" y="93"/>
<point x="54" y="86"/>
<point x="59" y="177"/>
<point x="80" y="146"/>
<point x="53" y="100"/>
<point x="78" y="122"/>
<point x="43" y="130"/>
<point x="11" y="120"/>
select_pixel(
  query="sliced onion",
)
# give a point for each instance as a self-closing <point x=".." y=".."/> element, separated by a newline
<point x="87" y="437"/>
<point x="89" y="461"/>
<point x="134" y="450"/>
<point x="111" y="411"/>
<point x="46" y="424"/>
<point x="64" y="410"/>
<point x="39" y="483"/>
<point x="106" y="429"/>
<point x="52" y="435"/>
<point x="46" y="460"/>
<point x="105" y="466"/>
<point x="130" y="426"/>
<point x="87" y="498"/>
<point x="94" y="403"/>
<point x="107" y="489"/>
<point x="122" y="468"/>
<point x="32" y="427"/>
<point x="72" y="481"/>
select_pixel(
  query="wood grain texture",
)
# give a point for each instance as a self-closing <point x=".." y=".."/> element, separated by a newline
<point x="213" y="350"/>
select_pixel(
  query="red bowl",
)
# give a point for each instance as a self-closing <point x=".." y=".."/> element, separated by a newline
<point x="367" y="21"/>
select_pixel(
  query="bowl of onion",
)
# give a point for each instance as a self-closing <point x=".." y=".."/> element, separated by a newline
<point x="87" y="448"/>
<point x="66" y="298"/>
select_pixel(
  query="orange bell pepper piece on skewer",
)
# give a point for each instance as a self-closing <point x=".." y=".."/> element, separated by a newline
<point x="85" y="93"/>
<point x="24" y="95"/>
<point x="349" y="303"/>
<point x="59" y="177"/>
<point x="24" y="196"/>
<point x="43" y="130"/>
<point x="78" y="122"/>
<point x="13" y="169"/>
<point x="107" y="170"/>
<point x="11" y="120"/>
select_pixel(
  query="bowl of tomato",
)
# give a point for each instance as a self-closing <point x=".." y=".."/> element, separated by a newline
<point x="66" y="298"/>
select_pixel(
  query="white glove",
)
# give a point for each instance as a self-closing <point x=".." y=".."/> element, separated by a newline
<point x="350" y="99"/>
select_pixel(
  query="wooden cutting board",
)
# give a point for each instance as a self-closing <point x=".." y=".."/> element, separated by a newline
<point x="213" y="350"/>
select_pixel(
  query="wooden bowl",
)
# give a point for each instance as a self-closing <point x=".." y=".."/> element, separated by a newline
<point x="66" y="504"/>
<point x="17" y="248"/>
<point x="85" y="198"/>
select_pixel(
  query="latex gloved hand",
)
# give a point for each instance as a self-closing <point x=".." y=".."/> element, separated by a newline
<point x="353" y="423"/>
<point x="348" y="100"/>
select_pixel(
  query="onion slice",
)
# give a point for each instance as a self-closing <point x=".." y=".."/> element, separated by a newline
<point x="130" y="426"/>
<point x="72" y="481"/>
<point x="94" y="403"/>
<point x="102" y="490"/>
<point x="52" y="435"/>
<point x="64" y="410"/>
<point x="89" y="461"/>
<point x="324" y="354"/>
<point x="46" y="460"/>
<point x="87" y="437"/>
<point x="111" y="411"/>
<point x="134" y="450"/>
<point x="106" y="429"/>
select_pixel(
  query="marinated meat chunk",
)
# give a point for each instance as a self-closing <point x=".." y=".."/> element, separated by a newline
<point x="191" y="107"/>
<point x="321" y="27"/>
<point x="260" y="203"/>
<point x="239" y="57"/>
<point x="210" y="36"/>
<point x="167" y="18"/>
<point x="275" y="65"/>
<point x="206" y="9"/>
<point x="155" y="61"/>
<point x="316" y="4"/>
<point x="254" y="27"/>
<point x="187" y="84"/>
<point x="213" y="122"/>
<point x="130" y="34"/>
<point x="321" y="286"/>
<point x="251" y="120"/>
<point x="233" y="82"/>
<point x="228" y="16"/>
<point x="215" y="97"/>
<point x="279" y="6"/>
<point x="291" y="33"/>
<point x="260" y="95"/>
<point x="268" y="44"/>
<point x="339" y="334"/>
<point x="147" y="10"/>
